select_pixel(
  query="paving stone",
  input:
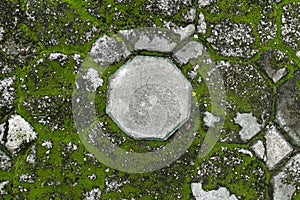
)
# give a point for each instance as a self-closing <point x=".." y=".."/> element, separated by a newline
<point x="284" y="182"/>
<point x="274" y="62"/>
<point x="249" y="125"/>
<point x="210" y="120"/>
<point x="19" y="132"/>
<point x="259" y="149"/>
<point x="191" y="50"/>
<point x="107" y="50"/>
<point x="277" y="147"/>
<point x="288" y="108"/>
<point x="149" y="98"/>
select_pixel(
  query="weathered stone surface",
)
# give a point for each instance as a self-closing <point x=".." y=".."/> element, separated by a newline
<point x="290" y="31"/>
<point x="149" y="98"/>
<point x="201" y="24"/>
<point x="277" y="147"/>
<point x="19" y="132"/>
<point x="232" y="39"/>
<point x="249" y="125"/>
<point x="288" y="107"/>
<point x="259" y="149"/>
<point x="107" y="50"/>
<point x="274" y="62"/>
<point x="220" y="194"/>
<point x="156" y="40"/>
<point x="285" y="181"/>
<point x="210" y="120"/>
<point x="191" y="50"/>
<point x="6" y="93"/>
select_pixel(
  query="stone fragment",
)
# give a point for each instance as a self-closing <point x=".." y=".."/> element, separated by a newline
<point x="274" y="63"/>
<point x="284" y="182"/>
<point x="249" y="125"/>
<point x="210" y="120"/>
<point x="191" y="50"/>
<point x="94" y="78"/>
<point x="288" y="108"/>
<point x="156" y="40"/>
<point x="184" y="32"/>
<point x="277" y="147"/>
<point x="220" y="194"/>
<point x="259" y="149"/>
<point x="201" y="27"/>
<point x="19" y="132"/>
<point x="107" y="50"/>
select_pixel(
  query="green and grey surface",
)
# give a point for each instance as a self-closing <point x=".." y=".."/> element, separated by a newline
<point x="255" y="46"/>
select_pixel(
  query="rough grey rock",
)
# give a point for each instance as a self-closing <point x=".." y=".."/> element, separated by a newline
<point x="19" y="132"/>
<point x="277" y="147"/>
<point x="220" y="194"/>
<point x="107" y="50"/>
<point x="210" y="120"/>
<point x="288" y="108"/>
<point x="274" y="62"/>
<point x="285" y="181"/>
<point x="191" y="50"/>
<point x="184" y="32"/>
<point x="259" y="149"/>
<point x="249" y="125"/>
<point x="201" y="27"/>
<point x="94" y="78"/>
<point x="149" y="98"/>
<point x="156" y="40"/>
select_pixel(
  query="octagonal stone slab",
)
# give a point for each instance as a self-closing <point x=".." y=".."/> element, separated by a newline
<point x="149" y="98"/>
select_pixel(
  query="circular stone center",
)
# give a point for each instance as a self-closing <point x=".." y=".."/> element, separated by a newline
<point x="149" y="98"/>
<point x="153" y="105"/>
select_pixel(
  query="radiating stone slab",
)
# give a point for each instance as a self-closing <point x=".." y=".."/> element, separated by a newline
<point x="189" y="51"/>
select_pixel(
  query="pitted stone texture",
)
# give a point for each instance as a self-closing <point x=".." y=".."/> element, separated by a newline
<point x="233" y="39"/>
<point x="152" y="39"/>
<point x="290" y="31"/>
<point x="288" y="107"/>
<point x="249" y="125"/>
<point x="149" y="98"/>
<point x="259" y="149"/>
<point x="277" y="147"/>
<point x="285" y="181"/>
<point x="274" y="62"/>
<point x="191" y="50"/>
<point x="107" y="50"/>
